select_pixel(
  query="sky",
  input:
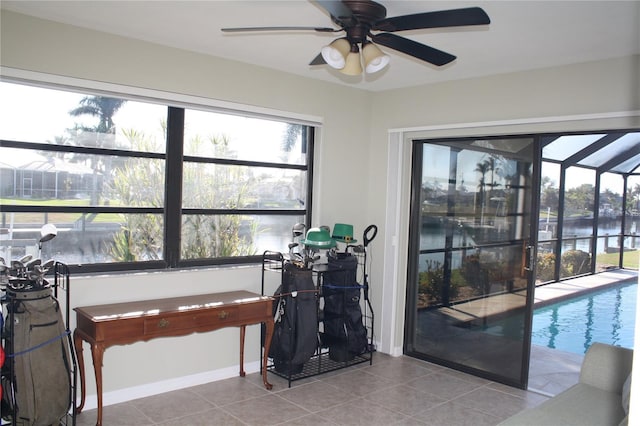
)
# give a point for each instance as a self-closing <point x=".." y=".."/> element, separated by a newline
<point x="39" y="115"/>
<point x="435" y="163"/>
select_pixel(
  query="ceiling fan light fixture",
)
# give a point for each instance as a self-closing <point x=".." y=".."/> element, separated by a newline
<point x="352" y="62"/>
<point x="335" y="54"/>
<point x="374" y="58"/>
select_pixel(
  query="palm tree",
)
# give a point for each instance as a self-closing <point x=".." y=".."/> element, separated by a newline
<point x="291" y="134"/>
<point x="491" y="166"/>
<point x="104" y="108"/>
<point x="634" y="197"/>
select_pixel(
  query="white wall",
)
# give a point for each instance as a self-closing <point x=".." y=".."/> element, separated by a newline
<point x="591" y="96"/>
<point x="354" y="154"/>
<point x="34" y="45"/>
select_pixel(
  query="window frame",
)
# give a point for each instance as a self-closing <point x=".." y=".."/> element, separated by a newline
<point x="174" y="159"/>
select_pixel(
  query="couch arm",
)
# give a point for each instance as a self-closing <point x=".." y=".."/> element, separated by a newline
<point x="606" y="367"/>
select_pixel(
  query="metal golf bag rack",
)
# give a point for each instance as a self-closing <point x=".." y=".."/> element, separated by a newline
<point x="337" y="293"/>
<point x="39" y="374"/>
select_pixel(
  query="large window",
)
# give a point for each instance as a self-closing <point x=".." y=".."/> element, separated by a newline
<point x="588" y="204"/>
<point x="135" y="185"/>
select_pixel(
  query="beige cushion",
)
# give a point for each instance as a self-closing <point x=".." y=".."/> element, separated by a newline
<point x="606" y="367"/>
<point x="580" y="405"/>
<point x="596" y="400"/>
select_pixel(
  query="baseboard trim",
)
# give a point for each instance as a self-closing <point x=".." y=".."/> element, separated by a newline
<point x="397" y="351"/>
<point x="150" y="389"/>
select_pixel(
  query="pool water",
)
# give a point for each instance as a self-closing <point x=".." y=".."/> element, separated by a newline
<point x="606" y="316"/>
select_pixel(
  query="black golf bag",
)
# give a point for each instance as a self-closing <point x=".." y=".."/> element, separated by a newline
<point x="295" y="336"/>
<point x="344" y="331"/>
<point x="36" y="377"/>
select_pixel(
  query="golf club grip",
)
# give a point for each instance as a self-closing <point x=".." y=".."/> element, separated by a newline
<point x="366" y="238"/>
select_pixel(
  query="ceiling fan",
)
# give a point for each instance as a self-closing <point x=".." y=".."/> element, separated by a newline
<point x="365" y="23"/>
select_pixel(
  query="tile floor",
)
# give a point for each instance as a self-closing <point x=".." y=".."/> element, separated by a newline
<point x="392" y="391"/>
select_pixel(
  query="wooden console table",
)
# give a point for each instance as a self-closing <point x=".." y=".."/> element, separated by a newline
<point x="124" y="323"/>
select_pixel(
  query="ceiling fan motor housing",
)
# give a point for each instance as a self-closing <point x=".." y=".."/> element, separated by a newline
<point x="365" y="14"/>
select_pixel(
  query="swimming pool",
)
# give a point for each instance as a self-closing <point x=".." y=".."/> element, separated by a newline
<point x="606" y="316"/>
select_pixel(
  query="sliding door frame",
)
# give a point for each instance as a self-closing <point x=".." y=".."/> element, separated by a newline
<point x="415" y="221"/>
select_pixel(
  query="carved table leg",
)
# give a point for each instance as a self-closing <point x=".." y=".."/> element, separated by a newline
<point x="77" y="343"/>
<point x="97" y="352"/>
<point x="243" y="329"/>
<point x="267" y="345"/>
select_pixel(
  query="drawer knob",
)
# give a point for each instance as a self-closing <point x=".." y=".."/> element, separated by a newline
<point x="163" y="323"/>
<point x="223" y="314"/>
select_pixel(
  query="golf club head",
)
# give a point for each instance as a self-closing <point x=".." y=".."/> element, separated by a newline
<point x="291" y="247"/>
<point x="48" y="265"/>
<point x="38" y="274"/>
<point x="24" y="259"/>
<point x="17" y="269"/>
<point x="32" y="263"/>
<point x="298" y="230"/>
<point x="48" y="232"/>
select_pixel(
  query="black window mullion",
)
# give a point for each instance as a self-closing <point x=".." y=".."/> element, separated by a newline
<point x="308" y="141"/>
<point x="74" y="149"/>
<point x="252" y="212"/>
<point x="236" y="162"/>
<point x="173" y="186"/>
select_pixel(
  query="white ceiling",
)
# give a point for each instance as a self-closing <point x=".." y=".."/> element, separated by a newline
<point x="522" y="35"/>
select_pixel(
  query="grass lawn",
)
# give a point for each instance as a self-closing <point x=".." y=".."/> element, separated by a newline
<point x="47" y="202"/>
<point x="630" y="259"/>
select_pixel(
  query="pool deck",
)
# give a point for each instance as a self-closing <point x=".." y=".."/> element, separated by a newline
<point x="556" y="292"/>
<point x="498" y="305"/>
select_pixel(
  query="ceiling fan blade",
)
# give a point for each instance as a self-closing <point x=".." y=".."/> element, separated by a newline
<point x="413" y="48"/>
<point x="339" y="11"/>
<point x="256" y="29"/>
<point x="439" y="19"/>
<point x="318" y="60"/>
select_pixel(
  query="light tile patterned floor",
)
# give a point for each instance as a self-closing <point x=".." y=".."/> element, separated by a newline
<point x="392" y="391"/>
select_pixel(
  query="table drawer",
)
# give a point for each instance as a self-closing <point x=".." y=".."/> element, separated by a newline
<point x="257" y="311"/>
<point x="197" y="321"/>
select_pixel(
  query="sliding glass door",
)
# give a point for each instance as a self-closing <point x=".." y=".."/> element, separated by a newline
<point x="469" y="297"/>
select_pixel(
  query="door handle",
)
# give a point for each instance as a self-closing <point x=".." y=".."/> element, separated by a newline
<point x="530" y="258"/>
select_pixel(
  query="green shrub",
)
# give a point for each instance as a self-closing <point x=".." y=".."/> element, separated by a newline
<point x="546" y="266"/>
<point x="431" y="283"/>
<point x="575" y="262"/>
